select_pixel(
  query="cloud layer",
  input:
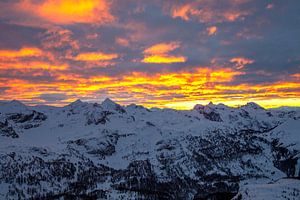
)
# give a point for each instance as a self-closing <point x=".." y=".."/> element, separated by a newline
<point x="156" y="53"/>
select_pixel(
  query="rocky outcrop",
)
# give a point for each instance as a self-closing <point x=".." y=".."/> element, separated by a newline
<point x="6" y="130"/>
<point x="208" y="112"/>
<point x="286" y="160"/>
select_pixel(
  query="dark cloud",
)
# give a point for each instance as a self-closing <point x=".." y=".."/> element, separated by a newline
<point x="53" y="97"/>
<point x="3" y="89"/>
<point x="16" y="36"/>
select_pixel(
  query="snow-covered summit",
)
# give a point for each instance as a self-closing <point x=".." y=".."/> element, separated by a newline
<point x="78" y="104"/>
<point x="13" y="106"/>
<point x="108" y="104"/>
<point x="252" y="105"/>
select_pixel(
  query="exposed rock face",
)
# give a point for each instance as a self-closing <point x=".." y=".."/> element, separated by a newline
<point x="253" y="105"/>
<point x="27" y="121"/>
<point x="208" y="112"/>
<point x="107" y="151"/>
<point x="285" y="160"/>
<point x="6" y="130"/>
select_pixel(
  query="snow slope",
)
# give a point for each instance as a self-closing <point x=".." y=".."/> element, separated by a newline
<point x="108" y="151"/>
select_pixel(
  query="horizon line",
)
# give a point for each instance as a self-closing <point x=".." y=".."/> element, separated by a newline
<point x="145" y="106"/>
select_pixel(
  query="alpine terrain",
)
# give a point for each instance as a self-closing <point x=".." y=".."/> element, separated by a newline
<point x="108" y="151"/>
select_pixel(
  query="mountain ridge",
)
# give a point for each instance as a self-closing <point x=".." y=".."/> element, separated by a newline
<point x="210" y="103"/>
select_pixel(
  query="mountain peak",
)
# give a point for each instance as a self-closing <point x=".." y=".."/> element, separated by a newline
<point x="77" y="103"/>
<point x="210" y="103"/>
<point x="109" y="104"/>
<point x="202" y="107"/>
<point x="16" y="103"/>
<point x="253" y="106"/>
<point x="108" y="101"/>
<point x="13" y="106"/>
<point x="198" y="107"/>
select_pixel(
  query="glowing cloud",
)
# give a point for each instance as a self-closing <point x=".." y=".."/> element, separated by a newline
<point x="164" y="59"/>
<point x="95" y="56"/>
<point x="24" y="52"/>
<point x="212" y="30"/>
<point x="297" y="76"/>
<point x="207" y="11"/>
<point x="68" y="11"/>
<point x="159" y="53"/>
<point x="179" y="90"/>
<point x="162" y="48"/>
<point x="28" y="58"/>
<point x="33" y="66"/>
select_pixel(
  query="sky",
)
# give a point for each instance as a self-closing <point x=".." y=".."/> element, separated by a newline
<point x="158" y="53"/>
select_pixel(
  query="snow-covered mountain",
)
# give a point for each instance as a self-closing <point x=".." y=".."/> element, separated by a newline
<point x="108" y="151"/>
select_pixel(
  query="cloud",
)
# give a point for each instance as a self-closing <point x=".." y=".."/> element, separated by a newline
<point x="160" y="53"/>
<point x="122" y="41"/>
<point x="95" y="56"/>
<point x="3" y="89"/>
<point x="68" y="11"/>
<point x="53" y="97"/>
<point x="92" y="36"/>
<point x="241" y="62"/>
<point x="29" y="58"/>
<point x="208" y="11"/>
<point x="270" y="6"/>
<point x="32" y="65"/>
<point x="297" y="76"/>
<point x="21" y="53"/>
<point x="164" y="59"/>
<point x="156" y="53"/>
<point x="212" y="30"/>
<point x="181" y="89"/>
<point x="162" y="48"/>
<point x="59" y="41"/>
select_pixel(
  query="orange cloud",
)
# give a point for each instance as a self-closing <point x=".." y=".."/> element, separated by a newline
<point x="28" y="58"/>
<point x="162" y="48"/>
<point x="212" y="30"/>
<point x="180" y="89"/>
<point x="183" y="11"/>
<point x="95" y="56"/>
<point x="32" y="65"/>
<point x="164" y="59"/>
<point x="240" y="62"/>
<point x="23" y="52"/>
<point x="160" y="53"/>
<point x="122" y="41"/>
<point x="68" y="11"/>
<point x="297" y="76"/>
<point x="136" y="84"/>
<point x="207" y="11"/>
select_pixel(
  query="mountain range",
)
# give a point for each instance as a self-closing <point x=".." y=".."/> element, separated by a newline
<point x="109" y="151"/>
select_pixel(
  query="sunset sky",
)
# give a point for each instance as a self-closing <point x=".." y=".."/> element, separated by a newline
<point x="162" y="53"/>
